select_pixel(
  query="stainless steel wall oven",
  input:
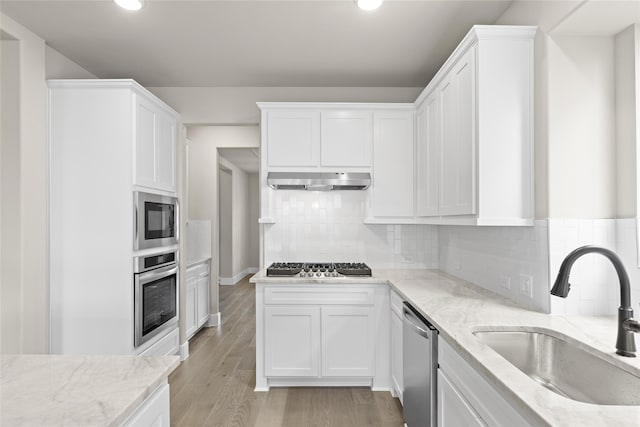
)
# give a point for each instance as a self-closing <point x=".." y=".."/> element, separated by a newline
<point x="155" y="295"/>
<point x="155" y="220"/>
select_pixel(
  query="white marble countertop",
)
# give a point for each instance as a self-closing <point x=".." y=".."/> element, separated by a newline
<point x="61" y="390"/>
<point x="457" y="308"/>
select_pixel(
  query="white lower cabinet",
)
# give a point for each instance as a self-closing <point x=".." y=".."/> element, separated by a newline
<point x="153" y="412"/>
<point x="197" y="297"/>
<point x="322" y="335"/>
<point x="297" y="338"/>
<point x="396" y="346"/>
<point x="453" y="409"/>
<point x="202" y="295"/>
<point x="465" y="398"/>
<point x="347" y="341"/>
<point x="292" y="341"/>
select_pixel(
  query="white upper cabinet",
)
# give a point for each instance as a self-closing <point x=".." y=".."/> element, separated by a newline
<point x="155" y="145"/>
<point x="457" y="119"/>
<point x="428" y="153"/>
<point x="476" y="118"/>
<point x="293" y="138"/>
<point x="317" y="136"/>
<point x="346" y="138"/>
<point x="392" y="191"/>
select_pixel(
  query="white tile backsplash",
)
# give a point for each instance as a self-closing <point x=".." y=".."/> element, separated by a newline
<point x="322" y="227"/>
<point x="594" y="282"/>
<point x="328" y="227"/>
<point x="490" y="256"/>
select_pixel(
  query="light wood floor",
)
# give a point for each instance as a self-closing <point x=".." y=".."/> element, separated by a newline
<point x="214" y="386"/>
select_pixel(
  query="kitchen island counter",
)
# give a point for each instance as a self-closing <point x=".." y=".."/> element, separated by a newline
<point x="70" y="390"/>
<point x="457" y="308"/>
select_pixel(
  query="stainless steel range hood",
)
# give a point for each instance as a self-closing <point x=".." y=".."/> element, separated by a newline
<point x="318" y="181"/>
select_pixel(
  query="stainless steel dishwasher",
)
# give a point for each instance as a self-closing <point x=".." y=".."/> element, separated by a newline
<point x="419" y="365"/>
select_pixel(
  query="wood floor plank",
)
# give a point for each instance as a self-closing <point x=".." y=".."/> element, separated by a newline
<point x="215" y="385"/>
<point x="272" y="410"/>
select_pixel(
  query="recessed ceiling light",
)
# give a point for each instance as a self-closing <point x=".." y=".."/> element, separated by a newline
<point x="368" y="4"/>
<point x="130" y="4"/>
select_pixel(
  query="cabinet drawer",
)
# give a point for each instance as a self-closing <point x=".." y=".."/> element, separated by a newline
<point x="396" y="303"/>
<point x="166" y="346"/>
<point x="302" y="295"/>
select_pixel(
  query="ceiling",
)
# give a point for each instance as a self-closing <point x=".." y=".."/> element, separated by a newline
<point x="257" y="43"/>
<point x="246" y="159"/>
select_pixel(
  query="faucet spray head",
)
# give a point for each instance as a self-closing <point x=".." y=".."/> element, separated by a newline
<point x="561" y="287"/>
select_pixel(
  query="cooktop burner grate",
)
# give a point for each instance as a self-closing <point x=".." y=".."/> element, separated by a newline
<point x="318" y="269"/>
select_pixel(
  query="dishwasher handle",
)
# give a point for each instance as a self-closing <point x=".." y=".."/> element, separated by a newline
<point x="415" y="323"/>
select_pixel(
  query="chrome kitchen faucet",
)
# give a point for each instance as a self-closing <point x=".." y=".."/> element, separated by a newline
<point x="625" y="344"/>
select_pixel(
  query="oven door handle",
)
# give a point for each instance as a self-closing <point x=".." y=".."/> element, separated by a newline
<point x="159" y="273"/>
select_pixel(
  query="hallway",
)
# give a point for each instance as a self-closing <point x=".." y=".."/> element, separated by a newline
<point x="214" y="386"/>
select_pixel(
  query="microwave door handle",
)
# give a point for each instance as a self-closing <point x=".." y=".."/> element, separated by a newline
<point x="150" y="276"/>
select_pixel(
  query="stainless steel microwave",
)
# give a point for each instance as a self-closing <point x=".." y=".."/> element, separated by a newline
<point x="155" y="220"/>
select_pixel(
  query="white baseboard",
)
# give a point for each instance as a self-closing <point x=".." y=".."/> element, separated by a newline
<point x="184" y="351"/>
<point x="214" y="320"/>
<point x="229" y="281"/>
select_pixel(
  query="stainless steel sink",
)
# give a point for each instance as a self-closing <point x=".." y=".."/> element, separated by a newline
<point x="564" y="368"/>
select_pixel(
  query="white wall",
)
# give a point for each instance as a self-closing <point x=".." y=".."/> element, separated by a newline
<point x="60" y="67"/>
<point x="225" y="197"/>
<point x="627" y="46"/>
<point x="581" y="128"/>
<point x="327" y="227"/>
<point x="240" y="227"/>
<point x="254" y="213"/>
<point x="202" y="177"/>
<point x="237" y="236"/>
<point x="10" y="272"/>
<point x="29" y="287"/>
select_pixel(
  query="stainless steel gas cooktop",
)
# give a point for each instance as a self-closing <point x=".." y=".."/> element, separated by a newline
<point x="318" y="269"/>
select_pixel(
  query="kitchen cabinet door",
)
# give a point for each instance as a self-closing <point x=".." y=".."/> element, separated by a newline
<point x="457" y="378"/>
<point x="428" y="149"/>
<point x="348" y="342"/>
<point x="190" y="305"/>
<point x="154" y="411"/>
<point x="291" y="341"/>
<point x="396" y="354"/>
<point x="166" y="153"/>
<point x="393" y="164"/>
<point x="202" y="295"/>
<point x="346" y="138"/>
<point x="191" y="319"/>
<point x="145" y="142"/>
<point x="155" y="163"/>
<point x="293" y="138"/>
<point x="453" y="409"/>
<point x="458" y="138"/>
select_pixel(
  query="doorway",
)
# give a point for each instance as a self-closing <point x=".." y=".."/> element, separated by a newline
<point x="238" y="207"/>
